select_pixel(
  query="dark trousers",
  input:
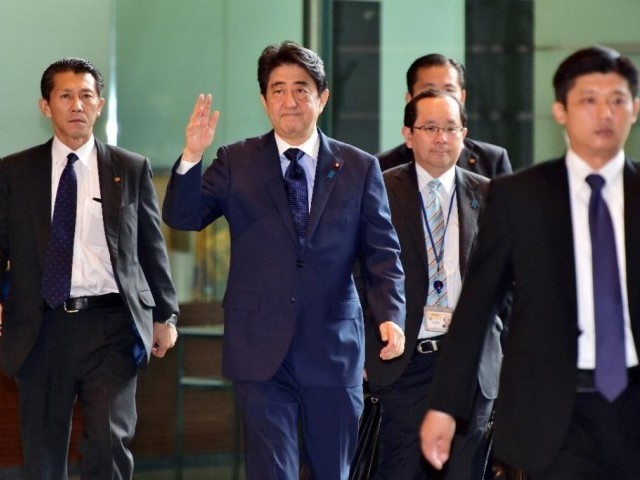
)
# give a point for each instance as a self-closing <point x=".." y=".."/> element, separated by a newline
<point x="275" y="411"/>
<point x="603" y="440"/>
<point x="88" y="357"/>
<point x="404" y="405"/>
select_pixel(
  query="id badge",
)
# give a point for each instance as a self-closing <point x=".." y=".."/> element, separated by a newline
<point x="437" y="319"/>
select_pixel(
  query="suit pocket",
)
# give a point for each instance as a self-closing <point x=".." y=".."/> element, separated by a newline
<point x="146" y="297"/>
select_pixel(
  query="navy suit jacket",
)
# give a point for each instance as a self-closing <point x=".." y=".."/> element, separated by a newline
<point x="525" y="235"/>
<point x="406" y="213"/>
<point x="283" y="299"/>
<point x="482" y="158"/>
<point x="132" y="228"/>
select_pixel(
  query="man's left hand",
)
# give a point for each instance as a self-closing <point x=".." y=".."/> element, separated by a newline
<point x="164" y="338"/>
<point x="394" y="336"/>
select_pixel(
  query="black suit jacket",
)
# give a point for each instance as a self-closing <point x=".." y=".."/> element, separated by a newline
<point x="132" y="228"/>
<point x="526" y="236"/>
<point x="482" y="158"/>
<point x="406" y="214"/>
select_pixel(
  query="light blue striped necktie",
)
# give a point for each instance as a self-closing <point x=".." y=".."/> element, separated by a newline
<point x="435" y="219"/>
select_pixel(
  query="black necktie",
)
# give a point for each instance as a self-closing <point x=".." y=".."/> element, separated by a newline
<point x="295" y="182"/>
<point x="56" y="275"/>
<point x="611" y="370"/>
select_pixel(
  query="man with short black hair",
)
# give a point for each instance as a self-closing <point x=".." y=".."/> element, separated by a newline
<point x="302" y="208"/>
<point x="437" y="72"/>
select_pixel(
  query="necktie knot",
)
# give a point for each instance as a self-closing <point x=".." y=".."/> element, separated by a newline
<point x="435" y="185"/>
<point x="596" y="182"/>
<point x="71" y="158"/>
<point x="294" y="154"/>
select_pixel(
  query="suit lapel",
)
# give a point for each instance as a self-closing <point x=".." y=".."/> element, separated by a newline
<point x="631" y="180"/>
<point x="112" y="180"/>
<point x="469" y="203"/>
<point x="327" y="174"/>
<point x="409" y="202"/>
<point x="267" y="167"/>
<point x="555" y="199"/>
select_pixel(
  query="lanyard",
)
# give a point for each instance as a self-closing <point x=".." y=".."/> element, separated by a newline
<point x="439" y="256"/>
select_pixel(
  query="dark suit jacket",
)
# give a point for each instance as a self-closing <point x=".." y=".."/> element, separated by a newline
<point x="406" y="214"/>
<point x="283" y="299"/>
<point x="482" y="158"/>
<point x="525" y="235"/>
<point x="132" y="228"/>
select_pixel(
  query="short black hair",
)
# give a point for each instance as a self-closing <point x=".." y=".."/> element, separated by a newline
<point x="596" y="59"/>
<point x="75" y="65"/>
<point x="434" y="60"/>
<point x="411" y="108"/>
<point x="290" y="53"/>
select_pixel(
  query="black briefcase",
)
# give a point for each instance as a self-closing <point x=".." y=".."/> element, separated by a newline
<point x="366" y="457"/>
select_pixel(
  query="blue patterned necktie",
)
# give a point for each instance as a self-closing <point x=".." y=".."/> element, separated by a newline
<point x="435" y="219"/>
<point x="56" y="275"/>
<point x="611" y="371"/>
<point x="295" y="182"/>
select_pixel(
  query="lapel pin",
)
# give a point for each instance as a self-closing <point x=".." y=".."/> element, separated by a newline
<point x="472" y="160"/>
<point x="332" y="173"/>
<point x="117" y="179"/>
<point x="474" y="204"/>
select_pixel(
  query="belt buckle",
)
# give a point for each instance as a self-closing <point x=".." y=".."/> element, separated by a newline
<point x="69" y="310"/>
<point x="422" y="346"/>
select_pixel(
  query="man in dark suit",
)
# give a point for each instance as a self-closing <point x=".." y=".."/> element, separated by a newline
<point x="434" y="127"/>
<point x="437" y="72"/>
<point x="294" y="329"/>
<point x="87" y="302"/>
<point x="568" y="404"/>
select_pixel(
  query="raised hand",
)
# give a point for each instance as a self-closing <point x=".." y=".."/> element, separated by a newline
<point x="200" y="130"/>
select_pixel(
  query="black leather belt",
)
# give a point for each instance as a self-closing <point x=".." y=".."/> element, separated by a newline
<point x="587" y="383"/>
<point x="81" y="304"/>
<point x="429" y="345"/>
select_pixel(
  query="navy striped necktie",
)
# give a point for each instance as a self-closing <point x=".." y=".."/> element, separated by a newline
<point x="56" y="275"/>
<point x="611" y="371"/>
<point x="295" y="182"/>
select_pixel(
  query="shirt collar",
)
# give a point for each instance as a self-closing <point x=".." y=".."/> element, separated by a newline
<point x="60" y="151"/>
<point x="578" y="169"/>
<point x="310" y="147"/>
<point x="447" y="179"/>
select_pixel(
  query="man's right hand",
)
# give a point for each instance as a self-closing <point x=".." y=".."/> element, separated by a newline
<point x="436" y="435"/>
<point x="200" y="130"/>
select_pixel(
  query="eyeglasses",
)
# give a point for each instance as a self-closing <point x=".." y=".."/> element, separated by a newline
<point x="432" y="130"/>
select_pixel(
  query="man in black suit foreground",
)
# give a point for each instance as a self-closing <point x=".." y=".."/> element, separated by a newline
<point x="90" y="296"/>
<point x="569" y="389"/>
<point x="437" y="72"/>
<point x="434" y="127"/>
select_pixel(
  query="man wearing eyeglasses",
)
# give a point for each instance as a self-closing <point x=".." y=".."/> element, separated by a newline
<point x="437" y="72"/>
<point x="434" y="209"/>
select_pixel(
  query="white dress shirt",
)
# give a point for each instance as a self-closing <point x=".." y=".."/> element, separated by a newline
<point x="92" y="272"/>
<point x="613" y="194"/>
<point x="451" y="260"/>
